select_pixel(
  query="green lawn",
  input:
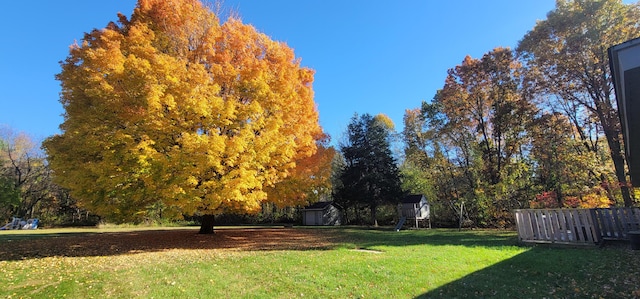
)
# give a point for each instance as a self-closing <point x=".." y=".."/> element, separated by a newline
<point x="360" y="263"/>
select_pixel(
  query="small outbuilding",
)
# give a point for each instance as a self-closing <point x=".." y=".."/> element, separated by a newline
<point x="322" y="213"/>
<point x="414" y="207"/>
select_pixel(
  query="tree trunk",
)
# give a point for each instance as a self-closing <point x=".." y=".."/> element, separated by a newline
<point x="618" y="162"/>
<point x="374" y="218"/>
<point x="612" y="135"/>
<point x="207" y="224"/>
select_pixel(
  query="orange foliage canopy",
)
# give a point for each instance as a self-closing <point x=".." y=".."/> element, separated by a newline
<point x="308" y="182"/>
<point x="172" y="105"/>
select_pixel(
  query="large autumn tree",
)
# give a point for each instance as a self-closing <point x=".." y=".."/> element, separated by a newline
<point x="471" y="140"/>
<point x="484" y="109"/>
<point x="309" y="182"/>
<point x="568" y="67"/>
<point x="172" y="105"/>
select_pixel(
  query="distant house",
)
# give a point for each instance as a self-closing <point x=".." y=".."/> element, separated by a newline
<point x="322" y="213"/>
<point x="415" y="207"/>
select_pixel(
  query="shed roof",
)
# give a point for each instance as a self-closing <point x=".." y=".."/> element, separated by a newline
<point x="321" y="205"/>
<point x="413" y="198"/>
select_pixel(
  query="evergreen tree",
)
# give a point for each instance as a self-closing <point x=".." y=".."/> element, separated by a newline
<point x="370" y="176"/>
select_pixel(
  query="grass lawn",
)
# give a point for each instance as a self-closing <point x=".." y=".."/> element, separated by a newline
<point x="306" y="262"/>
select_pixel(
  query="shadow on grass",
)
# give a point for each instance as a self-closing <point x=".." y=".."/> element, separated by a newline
<point x="544" y="271"/>
<point x="71" y="243"/>
<point x="78" y="243"/>
<point x="29" y="246"/>
<point x="552" y="272"/>
<point x="365" y="238"/>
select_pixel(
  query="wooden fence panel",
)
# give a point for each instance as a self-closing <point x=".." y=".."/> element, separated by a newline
<point x="576" y="226"/>
<point x="567" y="226"/>
<point x="570" y="226"/>
<point x="615" y="223"/>
<point x="523" y="220"/>
<point x="590" y="226"/>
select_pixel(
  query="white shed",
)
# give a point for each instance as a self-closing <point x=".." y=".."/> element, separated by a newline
<point x="415" y="207"/>
<point x="322" y="213"/>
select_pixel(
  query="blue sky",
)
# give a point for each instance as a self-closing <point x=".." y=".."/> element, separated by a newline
<point x="370" y="56"/>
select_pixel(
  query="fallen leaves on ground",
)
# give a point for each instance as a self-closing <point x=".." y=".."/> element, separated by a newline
<point x="118" y="243"/>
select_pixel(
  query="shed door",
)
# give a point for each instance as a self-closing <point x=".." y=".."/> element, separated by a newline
<point x="318" y="218"/>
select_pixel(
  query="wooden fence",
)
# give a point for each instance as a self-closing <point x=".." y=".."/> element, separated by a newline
<point x="615" y="223"/>
<point x="576" y="226"/>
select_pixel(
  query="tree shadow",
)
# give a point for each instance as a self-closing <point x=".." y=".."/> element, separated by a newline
<point x="21" y="247"/>
<point x="611" y="271"/>
<point x="365" y="238"/>
<point x="552" y="272"/>
<point x="80" y="244"/>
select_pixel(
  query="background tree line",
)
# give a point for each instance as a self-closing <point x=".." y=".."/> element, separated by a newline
<point x="26" y="187"/>
<point x="535" y="126"/>
<point x="532" y="127"/>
